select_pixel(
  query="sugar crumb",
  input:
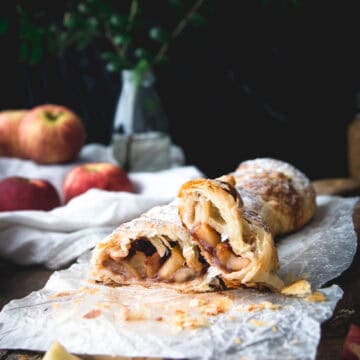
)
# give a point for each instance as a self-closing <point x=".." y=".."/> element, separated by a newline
<point x="258" y="307"/>
<point x="316" y="296"/>
<point x="299" y="288"/>
<point x="237" y="340"/>
<point x="256" y="322"/>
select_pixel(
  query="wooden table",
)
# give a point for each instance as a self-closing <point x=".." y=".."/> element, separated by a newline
<point x="16" y="282"/>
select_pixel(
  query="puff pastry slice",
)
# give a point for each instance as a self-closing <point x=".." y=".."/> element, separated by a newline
<point x="153" y="249"/>
<point x="232" y="239"/>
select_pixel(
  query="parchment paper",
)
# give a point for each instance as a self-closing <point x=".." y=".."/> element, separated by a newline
<point x="132" y="321"/>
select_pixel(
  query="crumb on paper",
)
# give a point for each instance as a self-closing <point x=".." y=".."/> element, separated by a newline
<point x="89" y="290"/>
<point x="316" y="296"/>
<point x="299" y="288"/>
<point x="258" y="307"/>
<point x="256" y="322"/>
<point x="217" y="306"/>
<point x="92" y="314"/>
<point x="78" y="301"/>
<point x="237" y="340"/>
<point x="84" y="289"/>
<point x="179" y="312"/>
<point x="274" y="329"/>
<point x="198" y="302"/>
<point x="159" y="318"/>
<point x="61" y="294"/>
<point x="184" y="321"/>
<point x="103" y="305"/>
<point x="133" y="314"/>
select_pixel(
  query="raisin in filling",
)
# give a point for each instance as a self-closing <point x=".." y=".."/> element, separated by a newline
<point x="144" y="262"/>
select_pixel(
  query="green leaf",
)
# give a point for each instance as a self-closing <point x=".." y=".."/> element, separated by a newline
<point x="59" y="43"/>
<point x="112" y="67"/>
<point x="164" y="60"/>
<point x="140" y="69"/>
<point x="92" y="22"/>
<point x="82" y="8"/>
<point x="142" y="54"/>
<point x="83" y="42"/>
<point x="118" y="21"/>
<point x="197" y="19"/>
<point x="120" y="40"/>
<point x="108" y="56"/>
<point x="159" y="34"/>
<point x="4" y="25"/>
<point x="69" y="21"/>
<point x="53" y="28"/>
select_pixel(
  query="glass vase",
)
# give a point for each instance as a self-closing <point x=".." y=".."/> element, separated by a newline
<point x="140" y="138"/>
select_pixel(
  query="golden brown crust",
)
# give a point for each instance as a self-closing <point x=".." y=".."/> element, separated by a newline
<point x="232" y="239"/>
<point x="151" y="250"/>
<point x="286" y="195"/>
<point x="263" y="198"/>
<point x="221" y="234"/>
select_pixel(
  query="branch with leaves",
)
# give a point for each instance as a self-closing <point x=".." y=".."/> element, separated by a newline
<point x="90" y="20"/>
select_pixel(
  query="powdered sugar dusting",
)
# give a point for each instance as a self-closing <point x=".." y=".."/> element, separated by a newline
<point x="154" y="218"/>
<point x="260" y="165"/>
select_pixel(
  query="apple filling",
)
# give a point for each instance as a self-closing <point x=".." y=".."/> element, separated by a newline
<point x="216" y="227"/>
<point x="153" y="259"/>
<point x="220" y="252"/>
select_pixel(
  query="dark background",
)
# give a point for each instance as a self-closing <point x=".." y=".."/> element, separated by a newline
<point x="258" y="80"/>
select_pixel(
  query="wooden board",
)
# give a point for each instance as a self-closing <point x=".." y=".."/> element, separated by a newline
<point x="17" y="282"/>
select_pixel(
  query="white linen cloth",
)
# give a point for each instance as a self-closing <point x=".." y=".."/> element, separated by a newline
<point x="57" y="237"/>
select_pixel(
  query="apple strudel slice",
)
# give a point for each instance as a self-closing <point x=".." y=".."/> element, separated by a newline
<point x="154" y="249"/>
<point x="233" y="239"/>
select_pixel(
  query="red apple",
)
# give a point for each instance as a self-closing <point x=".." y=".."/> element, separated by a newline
<point x="105" y="176"/>
<point x="19" y="193"/>
<point x="51" y="134"/>
<point x="9" y="124"/>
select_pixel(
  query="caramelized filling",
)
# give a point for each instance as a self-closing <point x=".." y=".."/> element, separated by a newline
<point x="220" y="252"/>
<point x="144" y="262"/>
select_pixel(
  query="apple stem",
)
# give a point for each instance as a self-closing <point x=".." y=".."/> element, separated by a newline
<point x="52" y="116"/>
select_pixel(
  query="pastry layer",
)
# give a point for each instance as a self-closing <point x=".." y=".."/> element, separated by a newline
<point x="153" y="249"/>
<point x="232" y="239"/>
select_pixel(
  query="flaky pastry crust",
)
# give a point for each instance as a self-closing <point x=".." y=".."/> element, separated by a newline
<point x="233" y="239"/>
<point x="281" y="194"/>
<point x="150" y="250"/>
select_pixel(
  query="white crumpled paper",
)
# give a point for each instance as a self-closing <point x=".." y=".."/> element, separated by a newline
<point x="88" y="318"/>
<point x="56" y="237"/>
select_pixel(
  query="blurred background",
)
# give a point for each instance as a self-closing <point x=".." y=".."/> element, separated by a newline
<point x="253" y="78"/>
